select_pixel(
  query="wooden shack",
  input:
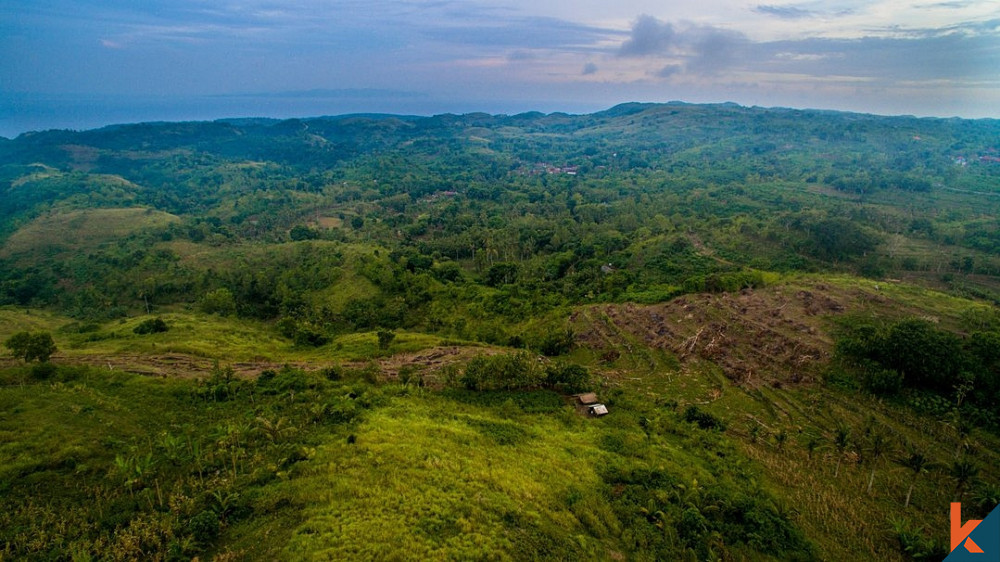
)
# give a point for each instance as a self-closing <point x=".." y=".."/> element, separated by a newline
<point x="598" y="410"/>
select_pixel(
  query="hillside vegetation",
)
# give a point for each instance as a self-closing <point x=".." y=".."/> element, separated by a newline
<point x="360" y="336"/>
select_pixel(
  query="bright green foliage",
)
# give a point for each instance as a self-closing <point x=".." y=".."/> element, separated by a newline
<point x="260" y="244"/>
<point x="502" y="372"/>
<point x="568" y="377"/>
<point x="31" y="346"/>
<point x="915" y="354"/>
<point x="220" y="301"/>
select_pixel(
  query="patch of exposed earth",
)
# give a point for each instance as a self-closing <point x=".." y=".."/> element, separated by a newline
<point x="429" y="362"/>
<point x="773" y="335"/>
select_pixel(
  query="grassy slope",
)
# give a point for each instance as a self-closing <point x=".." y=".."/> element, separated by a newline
<point x="76" y="230"/>
<point x="448" y="474"/>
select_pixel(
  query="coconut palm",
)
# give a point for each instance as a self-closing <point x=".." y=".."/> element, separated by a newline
<point x="841" y="440"/>
<point x="876" y="445"/>
<point x="963" y="470"/>
<point x="918" y="464"/>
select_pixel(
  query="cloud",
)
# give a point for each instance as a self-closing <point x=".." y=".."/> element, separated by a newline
<point x="702" y="48"/>
<point x="954" y="57"/>
<point x="670" y="70"/>
<point x="955" y="5"/>
<point x="519" y="33"/>
<point x="589" y="68"/>
<point x="963" y="53"/>
<point x="785" y="12"/>
<point x="714" y="49"/>
<point x="649" y="36"/>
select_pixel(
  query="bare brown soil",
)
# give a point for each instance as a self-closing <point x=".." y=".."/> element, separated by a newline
<point x="427" y="362"/>
<point x="773" y="335"/>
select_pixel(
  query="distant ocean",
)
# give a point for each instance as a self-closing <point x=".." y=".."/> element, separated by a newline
<point x="20" y="112"/>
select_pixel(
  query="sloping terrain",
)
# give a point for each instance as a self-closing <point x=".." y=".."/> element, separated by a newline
<point x="72" y="231"/>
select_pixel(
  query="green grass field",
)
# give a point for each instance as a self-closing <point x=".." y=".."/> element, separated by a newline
<point x="192" y="462"/>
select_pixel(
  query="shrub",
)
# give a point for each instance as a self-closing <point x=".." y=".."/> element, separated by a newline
<point x="502" y="372"/>
<point x="385" y="338"/>
<point x="301" y="232"/>
<point x="204" y="527"/>
<point x="31" y="345"/>
<point x="151" y="326"/>
<point x="332" y="373"/>
<point x="219" y="301"/>
<point x="283" y="381"/>
<point x="882" y="382"/>
<point x="556" y="343"/>
<point x="43" y="371"/>
<point x="568" y="378"/>
<point x="704" y="420"/>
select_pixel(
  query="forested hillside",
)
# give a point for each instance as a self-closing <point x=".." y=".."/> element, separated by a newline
<point x="361" y="335"/>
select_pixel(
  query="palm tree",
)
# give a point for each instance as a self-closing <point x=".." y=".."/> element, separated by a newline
<point x="986" y="497"/>
<point x="963" y="470"/>
<point x="877" y="445"/>
<point x="918" y="464"/>
<point x="841" y="439"/>
<point x="962" y="430"/>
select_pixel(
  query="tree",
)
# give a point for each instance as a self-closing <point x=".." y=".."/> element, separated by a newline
<point x="841" y="439"/>
<point x="918" y="464"/>
<point x="569" y="377"/>
<point x="31" y="346"/>
<point x="963" y="470"/>
<point x="301" y="232"/>
<point x="839" y="239"/>
<point x="876" y="445"/>
<point x="385" y="338"/>
<point x="219" y="301"/>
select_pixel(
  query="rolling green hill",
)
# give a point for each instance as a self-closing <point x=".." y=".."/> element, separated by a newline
<point x="360" y="336"/>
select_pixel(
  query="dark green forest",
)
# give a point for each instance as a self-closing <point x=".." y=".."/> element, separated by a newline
<point x="361" y="336"/>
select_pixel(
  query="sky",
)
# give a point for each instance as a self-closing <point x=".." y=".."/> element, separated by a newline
<point x="86" y="63"/>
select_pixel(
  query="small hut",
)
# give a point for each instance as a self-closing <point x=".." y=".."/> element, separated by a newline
<point x="587" y="398"/>
<point x="598" y="410"/>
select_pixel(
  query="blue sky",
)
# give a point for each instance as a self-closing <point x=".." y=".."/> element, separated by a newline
<point x="79" y="63"/>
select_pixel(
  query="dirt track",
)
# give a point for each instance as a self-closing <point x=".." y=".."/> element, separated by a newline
<point x="176" y="365"/>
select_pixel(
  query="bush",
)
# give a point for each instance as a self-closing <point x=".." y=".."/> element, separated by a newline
<point x="151" y="326"/>
<point x="568" y="378"/>
<point x="284" y="381"/>
<point x="704" y="420"/>
<point x="301" y="232"/>
<point x="219" y="301"/>
<point x="385" y="338"/>
<point x="303" y="332"/>
<point x="43" y="371"/>
<point x="556" y="343"/>
<point x="332" y="373"/>
<point x="502" y="372"/>
<point x="204" y="527"/>
<point x="31" y="345"/>
<point x="881" y="381"/>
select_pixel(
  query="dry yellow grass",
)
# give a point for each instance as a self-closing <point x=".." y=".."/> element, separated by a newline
<point x="70" y="230"/>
